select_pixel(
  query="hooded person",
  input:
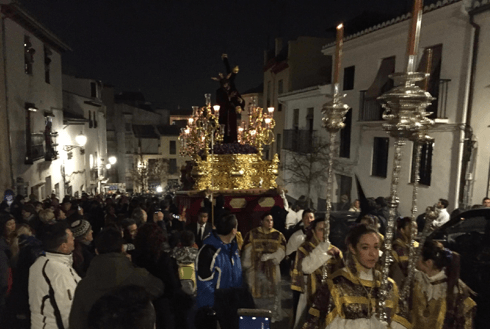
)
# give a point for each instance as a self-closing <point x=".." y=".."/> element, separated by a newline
<point x="369" y="207"/>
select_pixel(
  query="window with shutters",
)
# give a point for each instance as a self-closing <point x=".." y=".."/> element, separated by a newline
<point x="380" y="157"/>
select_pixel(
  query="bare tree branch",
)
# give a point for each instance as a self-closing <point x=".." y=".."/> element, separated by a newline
<point x="308" y="169"/>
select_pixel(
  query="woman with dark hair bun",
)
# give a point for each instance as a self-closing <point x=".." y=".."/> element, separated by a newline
<point x="350" y="297"/>
<point x="440" y="299"/>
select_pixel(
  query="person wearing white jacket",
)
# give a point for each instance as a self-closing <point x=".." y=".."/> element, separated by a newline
<point x="52" y="279"/>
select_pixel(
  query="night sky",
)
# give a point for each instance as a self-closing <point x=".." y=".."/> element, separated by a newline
<point x="169" y="49"/>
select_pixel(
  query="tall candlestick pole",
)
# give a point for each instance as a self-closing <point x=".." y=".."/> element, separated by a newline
<point x="338" y="53"/>
<point x="414" y="34"/>
<point x="333" y="120"/>
<point x="428" y="68"/>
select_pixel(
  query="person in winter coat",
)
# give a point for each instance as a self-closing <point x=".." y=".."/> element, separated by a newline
<point x="84" y="251"/>
<point x="172" y="307"/>
<point x="185" y="255"/>
<point x="219" y="274"/>
<point x="5" y="256"/>
<point x="52" y="279"/>
<point x="108" y="270"/>
<point x="17" y="314"/>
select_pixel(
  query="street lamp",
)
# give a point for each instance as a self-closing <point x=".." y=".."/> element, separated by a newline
<point x="112" y="160"/>
<point x="81" y="140"/>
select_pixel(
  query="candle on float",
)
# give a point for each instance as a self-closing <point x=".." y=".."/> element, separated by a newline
<point x="216" y="109"/>
<point x="338" y="53"/>
<point x="270" y="110"/>
<point x="428" y="68"/>
<point x="415" y="24"/>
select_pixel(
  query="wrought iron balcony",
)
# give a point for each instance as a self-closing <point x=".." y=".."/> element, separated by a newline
<point x="371" y="110"/>
<point x="300" y="140"/>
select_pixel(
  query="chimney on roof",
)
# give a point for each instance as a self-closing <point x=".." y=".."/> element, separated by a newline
<point x="278" y="46"/>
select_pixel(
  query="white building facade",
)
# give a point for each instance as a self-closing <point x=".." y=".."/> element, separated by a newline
<point x="31" y="105"/>
<point x="84" y="113"/>
<point x="450" y="167"/>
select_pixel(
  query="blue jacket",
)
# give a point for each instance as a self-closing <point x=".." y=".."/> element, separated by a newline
<point x="218" y="266"/>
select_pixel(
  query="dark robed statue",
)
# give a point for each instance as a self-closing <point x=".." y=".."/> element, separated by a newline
<point x="229" y="100"/>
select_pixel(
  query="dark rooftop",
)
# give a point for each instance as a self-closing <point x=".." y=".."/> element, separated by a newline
<point x="133" y="98"/>
<point x="256" y="90"/>
<point x="145" y="131"/>
<point x="181" y="112"/>
<point x="168" y="130"/>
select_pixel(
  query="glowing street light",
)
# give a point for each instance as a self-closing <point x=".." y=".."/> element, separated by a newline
<point x="112" y="160"/>
<point x="81" y="139"/>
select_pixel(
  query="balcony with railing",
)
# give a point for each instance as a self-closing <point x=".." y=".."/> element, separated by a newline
<point x="300" y="140"/>
<point x="371" y="110"/>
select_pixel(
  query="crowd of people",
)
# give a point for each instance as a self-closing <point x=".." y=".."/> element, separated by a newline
<point x="120" y="262"/>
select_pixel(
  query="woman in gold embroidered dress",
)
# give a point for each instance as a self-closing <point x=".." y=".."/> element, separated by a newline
<point x="349" y="299"/>
<point x="263" y="250"/>
<point x="308" y="268"/>
<point x="440" y="300"/>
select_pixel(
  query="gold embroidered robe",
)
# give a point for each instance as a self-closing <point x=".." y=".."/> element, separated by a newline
<point x="263" y="276"/>
<point x="348" y="297"/>
<point x="314" y="280"/>
<point x="399" y="267"/>
<point x="429" y="304"/>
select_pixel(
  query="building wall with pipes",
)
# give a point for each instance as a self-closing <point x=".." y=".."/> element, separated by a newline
<point x="84" y="113"/>
<point x="478" y="169"/>
<point x="297" y="65"/>
<point x="298" y="137"/>
<point x="31" y="101"/>
<point x="445" y="24"/>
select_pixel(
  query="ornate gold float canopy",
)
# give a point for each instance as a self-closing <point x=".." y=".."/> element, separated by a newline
<point x="235" y="166"/>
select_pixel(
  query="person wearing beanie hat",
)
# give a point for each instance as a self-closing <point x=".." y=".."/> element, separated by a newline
<point x="84" y="251"/>
<point x="80" y="228"/>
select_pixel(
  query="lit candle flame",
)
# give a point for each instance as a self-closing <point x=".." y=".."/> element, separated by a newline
<point x="338" y="53"/>
<point x="270" y="109"/>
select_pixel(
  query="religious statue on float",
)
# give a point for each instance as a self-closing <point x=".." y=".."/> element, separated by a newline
<point x="230" y="101"/>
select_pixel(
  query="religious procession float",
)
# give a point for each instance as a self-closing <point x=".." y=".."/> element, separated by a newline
<point x="227" y="160"/>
